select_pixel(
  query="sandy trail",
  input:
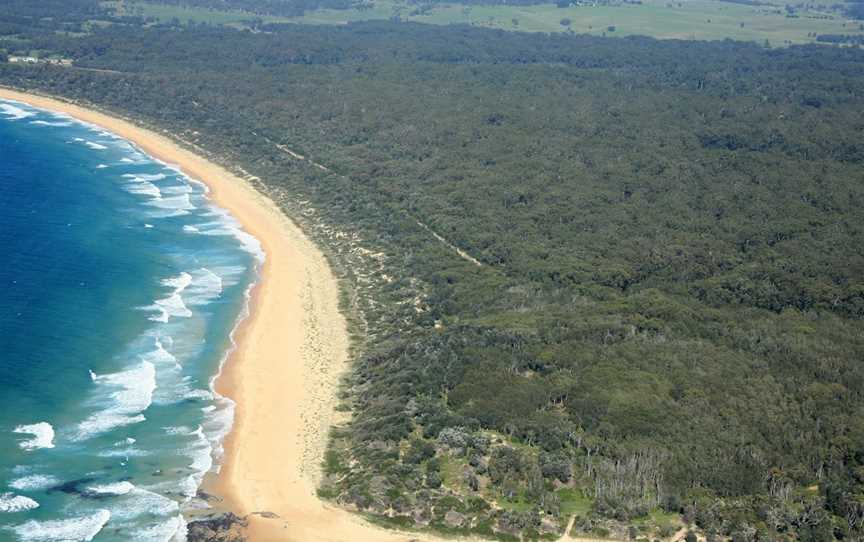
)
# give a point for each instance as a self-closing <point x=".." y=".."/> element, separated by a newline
<point x="284" y="372"/>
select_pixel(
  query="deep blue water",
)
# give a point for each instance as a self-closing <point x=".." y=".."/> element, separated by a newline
<point x="119" y="287"/>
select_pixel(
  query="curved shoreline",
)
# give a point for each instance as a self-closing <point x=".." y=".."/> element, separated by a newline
<point x="284" y="370"/>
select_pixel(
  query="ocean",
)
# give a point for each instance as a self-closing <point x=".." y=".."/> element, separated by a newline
<point x="119" y="291"/>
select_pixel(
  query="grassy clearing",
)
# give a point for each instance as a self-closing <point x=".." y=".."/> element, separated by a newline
<point x="518" y="504"/>
<point x="187" y="15"/>
<point x="573" y="501"/>
<point x="451" y="472"/>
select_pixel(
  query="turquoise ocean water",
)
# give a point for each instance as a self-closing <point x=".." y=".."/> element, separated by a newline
<point x="119" y="288"/>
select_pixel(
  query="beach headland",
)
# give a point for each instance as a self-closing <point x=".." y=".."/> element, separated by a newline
<point x="284" y="371"/>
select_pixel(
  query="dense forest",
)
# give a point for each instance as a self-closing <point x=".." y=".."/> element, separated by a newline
<point x="840" y="38"/>
<point x="655" y="310"/>
<point x="855" y="9"/>
<point x="291" y="8"/>
<point x="26" y="18"/>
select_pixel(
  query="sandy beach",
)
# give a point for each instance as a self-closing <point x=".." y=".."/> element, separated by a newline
<point x="284" y="372"/>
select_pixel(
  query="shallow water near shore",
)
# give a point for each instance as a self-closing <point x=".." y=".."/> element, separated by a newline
<point x="120" y="289"/>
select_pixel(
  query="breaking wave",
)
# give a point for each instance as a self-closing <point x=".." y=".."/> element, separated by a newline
<point x="132" y="393"/>
<point x="13" y="112"/>
<point x="78" y="529"/>
<point x="43" y="435"/>
<point x="16" y="503"/>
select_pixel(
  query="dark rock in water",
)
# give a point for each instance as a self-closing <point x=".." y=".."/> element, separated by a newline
<point x="222" y="528"/>
<point x="81" y="487"/>
<point x="207" y="497"/>
<point x="73" y="487"/>
<point x="96" y="496"/>
<point x="157" y="472"/>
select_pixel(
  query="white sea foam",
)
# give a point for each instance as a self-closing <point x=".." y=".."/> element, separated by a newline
<point x="197" y="287"/>
<point x="43" y="435"/>
<point x="159" y="355"/>
<point x="14" y="112"/>
<point x="64" y="117"/>
<point x="101" y="166"/>
<point x="141" y="177"/>
<point x="175" y="387"/>
<point x="148" y="226"/>
<point x="92" y="144"/>
<point x="172" y="305"/>
<point x="34" y="482"/>
<point x="204" y="395"/>
<point x="204" y="287"/>
<point x="206" y="449"/>
<point x="180" y="282"/>
<point x="10" y="502"/>
<point x="49" y="123"/>
<point x="102" y="422"/>
<point x="143" y="184"/>
<point x="172" y="530"/>
<point x="127" y="160"/>
<point x="124" y="453"/>
<point x="200" y="452"/>
<point x="217" y="425"/>
<point x="189" y="486"/>
<point x="227" y="225"/>
<point x="132" y="394"/>
<point x="172" y="205"/>
<point x="144" y="189"/>
<point x="118" y="488"/>
<point x="136" y="501"/>
<point x="177" y="190"/>
<point x="230" y="274"/>
<point x="136" y="387"/>
<point x="220" y="417"/>
<point x="78" y="529"/>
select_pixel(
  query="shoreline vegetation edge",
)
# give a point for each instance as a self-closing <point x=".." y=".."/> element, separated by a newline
<point x="283" y="373"/>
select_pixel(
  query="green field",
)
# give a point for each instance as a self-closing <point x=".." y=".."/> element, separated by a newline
<point x="688" y="19"/>
<point x="186" y="15"/>
<point x="573" y="502"/>
<point x="691" y="19"/>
